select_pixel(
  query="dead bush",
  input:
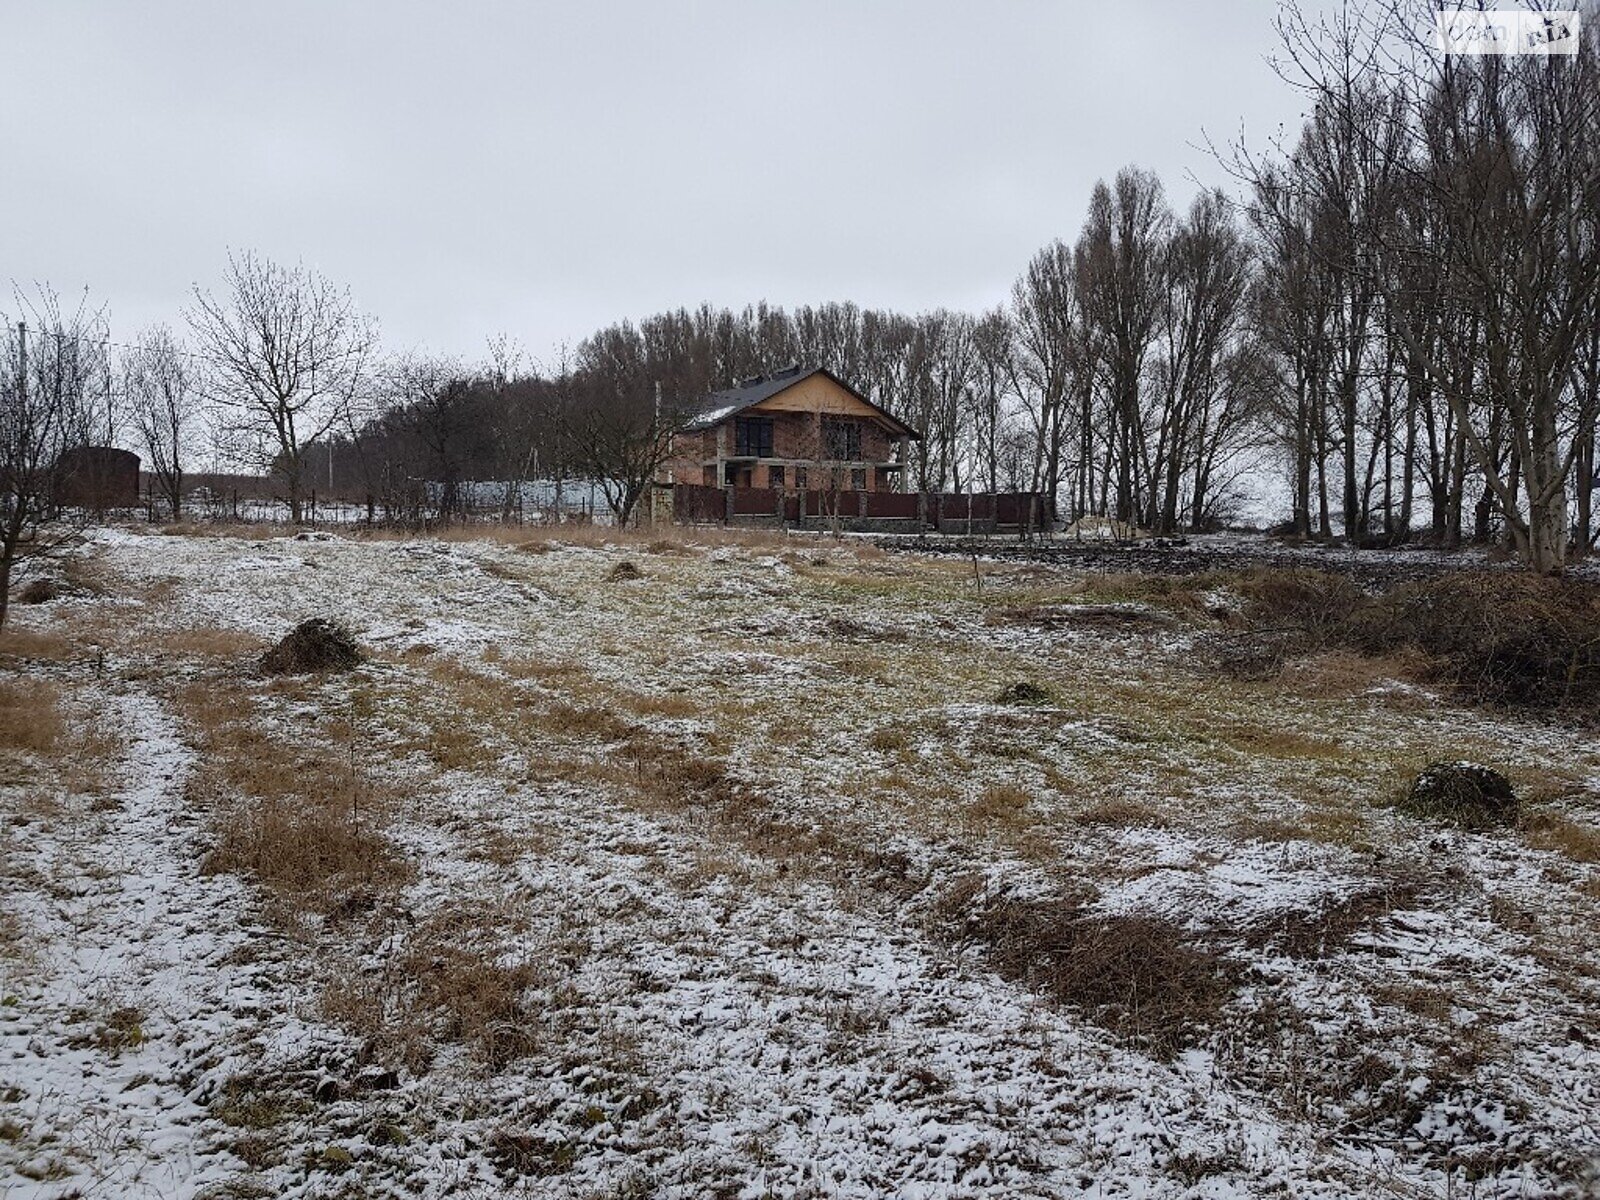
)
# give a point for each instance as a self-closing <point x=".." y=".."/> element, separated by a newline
<point x="1143" y="977"/>
<point x="38" y="591"/>
<point x="1025" y="694"/>
<point x="1499" y="637"/>
<point x="1465" y="794"/>
<point x="313" y="646"/>
<point x="624" y="572"/>
<point x="1312" y="604"/>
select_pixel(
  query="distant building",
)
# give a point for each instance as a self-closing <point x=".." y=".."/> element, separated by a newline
<point x="97" y="477"/>
<point x="793" y="430"/>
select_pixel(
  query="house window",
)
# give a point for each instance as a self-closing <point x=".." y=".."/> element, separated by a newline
<point x="752" y="437"/>
<point x="775" y="477"/>
<point x="800" y="478"/>
<point x="858" y="479"/>
<point x="841" y="439"/>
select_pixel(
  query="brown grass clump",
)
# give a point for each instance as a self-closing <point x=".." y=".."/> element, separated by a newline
<point x="1122" y="814"/>
<point x="624" y="572"/>
<point x="38" y="591"/>
<point x="663" y="704"/>
<point x="889" y="738"/>
<point x="1025" y="694"/>
<point x="1555" y="831"/>
<point x="589" y="721"/>
<point x="30" y="716"/>
<point x="300" y="818"/>
<point x="314" y="645"/>
<point x="209" y="642"/>
<point x="1001" y="804"/>
<point x="304" y="847"/>
<point x="1143" y="977"/>
<point x="444" y="987"/>
<point x="37" y="645"/>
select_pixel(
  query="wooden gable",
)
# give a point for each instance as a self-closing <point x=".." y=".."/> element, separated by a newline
<point x="820" y="393"/>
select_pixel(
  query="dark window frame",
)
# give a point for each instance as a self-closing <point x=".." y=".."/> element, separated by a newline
<point x="758" y="446"/>
<point x="841" y="439"/>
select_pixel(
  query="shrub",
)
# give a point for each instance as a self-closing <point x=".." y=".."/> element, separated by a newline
<point x="38" y="591"/>
<point x="1497" y="637"/>
<point x="314" y="645"/>
<point x="1026" y="694"/>
<point x="1462" y="793"/>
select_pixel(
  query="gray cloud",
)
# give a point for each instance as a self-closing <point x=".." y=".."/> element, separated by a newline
<point x="541" y="169"/>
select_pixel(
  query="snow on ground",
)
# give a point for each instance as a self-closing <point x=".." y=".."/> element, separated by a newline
<point x="107" y="1037"/>
<point x="716" y="999"/>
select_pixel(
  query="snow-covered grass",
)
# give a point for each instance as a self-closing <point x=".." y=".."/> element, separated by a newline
<point x="758" y="875"/>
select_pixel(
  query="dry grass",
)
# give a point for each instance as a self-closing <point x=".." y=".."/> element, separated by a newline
<point x="30" y="716"/>
<point x="590" y="722"/>
<point x="1122" y="813"/>
<point x="1548" y="830"/>
<point x="1002" y="804"/>
<point x="208" y="643"/>
<point x="446" y="986"/>
<point x="20" y="645"/>
<point x="662" y="704"/>
<point x="1144" y="977"/>
<point x="300" y="818"/>
<point x="889" y="739"/>
<point x="1329" y="927"/>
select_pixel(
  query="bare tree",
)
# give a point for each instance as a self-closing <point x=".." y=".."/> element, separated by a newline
<point x="52" y="391"/>
<point x="163" y="403"/>
<point x="287" y="354"/>
<point x="1121" y="268"/>
<point x="1465" y="192"/>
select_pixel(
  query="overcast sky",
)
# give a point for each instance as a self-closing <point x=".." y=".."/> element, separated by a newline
<point x="540" y="169"/>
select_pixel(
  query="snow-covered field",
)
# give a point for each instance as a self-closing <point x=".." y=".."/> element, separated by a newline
<point x="749" y="877"/>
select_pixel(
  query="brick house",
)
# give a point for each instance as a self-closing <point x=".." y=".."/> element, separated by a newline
<point x="793" y="430"/>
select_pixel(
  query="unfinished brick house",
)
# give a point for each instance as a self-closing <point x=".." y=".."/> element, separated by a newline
<point x="793" y="430"/>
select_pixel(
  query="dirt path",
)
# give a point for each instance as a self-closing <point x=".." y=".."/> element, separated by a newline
<point x="110" y="1036"/>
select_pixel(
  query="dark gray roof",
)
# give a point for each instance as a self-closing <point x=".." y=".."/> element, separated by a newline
<point x="721" y="406"/>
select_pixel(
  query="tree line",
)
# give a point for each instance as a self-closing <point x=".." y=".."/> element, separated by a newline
<point x="1396" y="316"/>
